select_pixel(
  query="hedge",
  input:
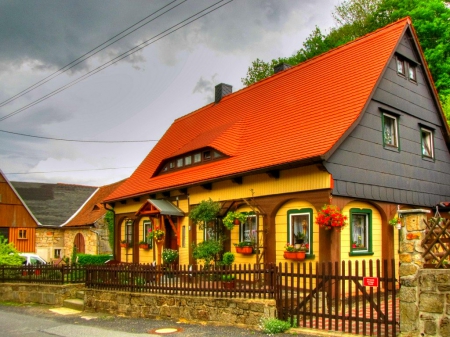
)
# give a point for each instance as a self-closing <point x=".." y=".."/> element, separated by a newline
<point x="93" y="259"/>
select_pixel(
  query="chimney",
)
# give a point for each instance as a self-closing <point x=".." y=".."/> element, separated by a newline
<point x="281" y="67"/>
<point x="222" y="90"/>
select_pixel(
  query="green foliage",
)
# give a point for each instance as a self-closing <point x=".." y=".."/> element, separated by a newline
<point x="228" y="220"/>
<point x="227" y="258"/>
<point x="74" y="255"/>
<point x="355" y="18"/>
<point x="206" y="251"/>
<point x="169" y="255"/>
<point x="446" y="108"/>
<point x="93" y="259"/>
<point x="272" y="326"/>
<point x="8" y="254"/>
<point x="205" y="212"/>
<point x="109" y="219"/>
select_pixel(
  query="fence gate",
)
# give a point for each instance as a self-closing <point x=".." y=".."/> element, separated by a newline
<point x="358" y="297"/>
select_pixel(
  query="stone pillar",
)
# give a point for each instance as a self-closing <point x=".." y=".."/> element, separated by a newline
<point x="411" y="262"/>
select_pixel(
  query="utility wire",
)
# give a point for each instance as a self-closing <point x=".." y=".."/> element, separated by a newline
<point x="101" y="169"/>
<point x="82" y="58"/>
<point x="120" y="57"/>
<point x="81" y="141"/>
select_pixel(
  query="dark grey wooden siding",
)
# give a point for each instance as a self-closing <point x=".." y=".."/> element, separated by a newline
<point x="363" y="168"/>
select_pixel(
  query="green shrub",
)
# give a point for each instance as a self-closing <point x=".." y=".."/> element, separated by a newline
<point x="92" y="259"/>
<point x="272" y="326"/>
<point x="8" y="254"/>
<point x="206" y="251"/>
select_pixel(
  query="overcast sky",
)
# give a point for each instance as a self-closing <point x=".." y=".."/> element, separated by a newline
<point x="138" y="97"/>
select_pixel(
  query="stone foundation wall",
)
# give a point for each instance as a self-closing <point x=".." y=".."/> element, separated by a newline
<point x="38" y="293"/>
<point x="245" y="312"/>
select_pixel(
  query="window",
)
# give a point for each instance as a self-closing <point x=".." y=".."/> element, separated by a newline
<point x="57" y="253"/>
<point x="22" y="234"/>
<point x="249" y="229"/>
<point x="183" y="237"/>
<point x="412" y="73"/>
<point x="361" y="231"/>
<point x="427" y="143"/>
<point x="207" y="155"/>
<point x="180" y="162"/>
<point x="390" y="131"/>
<point x="299" y="227"/>
<point x="171" y="165"/>
<point x="197" y="157"/>
<point x="211" y="231"/>
<point x="129" y="232"/>
<point x="187" y="160"/>
<point x="148" y="225"/>
<point x="401" y="66"/>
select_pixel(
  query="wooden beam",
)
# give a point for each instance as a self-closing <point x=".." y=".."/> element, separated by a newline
<point x="183" y="190"/>
<point x="274" y="174"/>
<point x="137" y="199"/>
<point x="207" y="186"/>
<point x="237" y="180"/>
<point x="149" y="212"/>
<point x="166" y="194"/>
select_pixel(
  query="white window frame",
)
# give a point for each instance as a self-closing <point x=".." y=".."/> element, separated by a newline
<point x="389" y="139"/>
<point x="427" y="137"/>
<point x="296" y="224"/>
<point x="147" y="224"/>
<point x="249" y="229"/>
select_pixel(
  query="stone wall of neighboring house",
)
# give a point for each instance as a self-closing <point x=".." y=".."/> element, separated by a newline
<point x="89" y="237"/>
<point x="424" y="293"/>
<point x="38" y="293"/>
<point x="47" y="241"/>
<point x="226" y="311"/>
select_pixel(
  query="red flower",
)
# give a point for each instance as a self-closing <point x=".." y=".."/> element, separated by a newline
<point x="330" y="216"/>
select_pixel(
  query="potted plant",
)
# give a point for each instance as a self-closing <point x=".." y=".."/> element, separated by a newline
<point x="396" y="221"/>
<point x="206" y="251"/>
<point x="329" y="217"/>
<point x="157" y="234"/>
<point x="233" y="218"/>
<point x="244" y="247"/>
<point x="205" y="212"/>
<point x="291" y="253"/>
<point x="125" y="244"/>
<point x="228" y="279"/>
<point x="299" y="238"/>
<point x="143" y="244"/>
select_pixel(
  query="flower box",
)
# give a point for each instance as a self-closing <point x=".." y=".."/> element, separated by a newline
<point x="228" y="285"/>
<point x="124" y="245"/>
<point x="244" y="250"/>
<point x="297" y="256"/>
<point x="144" y="245"/>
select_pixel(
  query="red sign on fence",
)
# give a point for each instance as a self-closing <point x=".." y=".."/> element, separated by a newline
<point x="370" y="281"/>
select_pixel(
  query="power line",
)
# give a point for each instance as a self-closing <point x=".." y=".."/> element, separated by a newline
<point x="83" y="58"/>
<point x="81" y="141"/>
<point x="101" y="169"/>
<point x="120" y="57"/>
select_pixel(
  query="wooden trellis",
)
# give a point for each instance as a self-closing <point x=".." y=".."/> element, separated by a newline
<point x="436" y="243"/>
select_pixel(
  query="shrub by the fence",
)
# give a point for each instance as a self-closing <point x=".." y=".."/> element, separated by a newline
<point x="84" y="259"/>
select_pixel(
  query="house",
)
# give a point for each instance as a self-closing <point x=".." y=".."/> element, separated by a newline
<point x="359" y="127"/>
<point x="17" y="223"/>
<point x="69" y="216"/>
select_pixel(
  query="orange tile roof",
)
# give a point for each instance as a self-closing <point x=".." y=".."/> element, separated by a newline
<point x="296" y="115"/>
<point x="93" y="210"/>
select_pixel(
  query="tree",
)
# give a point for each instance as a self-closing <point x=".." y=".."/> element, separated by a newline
<point x="109" y="219"/>
<point x="355" y="18"/>
<point x="9" y="255"/>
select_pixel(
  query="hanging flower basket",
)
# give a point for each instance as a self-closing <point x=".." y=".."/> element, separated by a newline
<point x="157" y="234"/>
<point x="330" y="217"/>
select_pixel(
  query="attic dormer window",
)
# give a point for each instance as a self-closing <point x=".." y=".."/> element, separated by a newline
<point x="401" y="66"/>
<point x="193" y="158"/>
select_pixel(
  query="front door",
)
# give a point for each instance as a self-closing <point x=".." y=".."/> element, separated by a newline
<point x="78" y="242"/>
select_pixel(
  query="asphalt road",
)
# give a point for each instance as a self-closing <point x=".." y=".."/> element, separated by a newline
<point x="38" y="321"/>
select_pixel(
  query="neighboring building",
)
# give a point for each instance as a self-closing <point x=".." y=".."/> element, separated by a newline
<point x="359" y="126"/>
<point x="69" y="215"/>
<point x="17" y="223"/>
